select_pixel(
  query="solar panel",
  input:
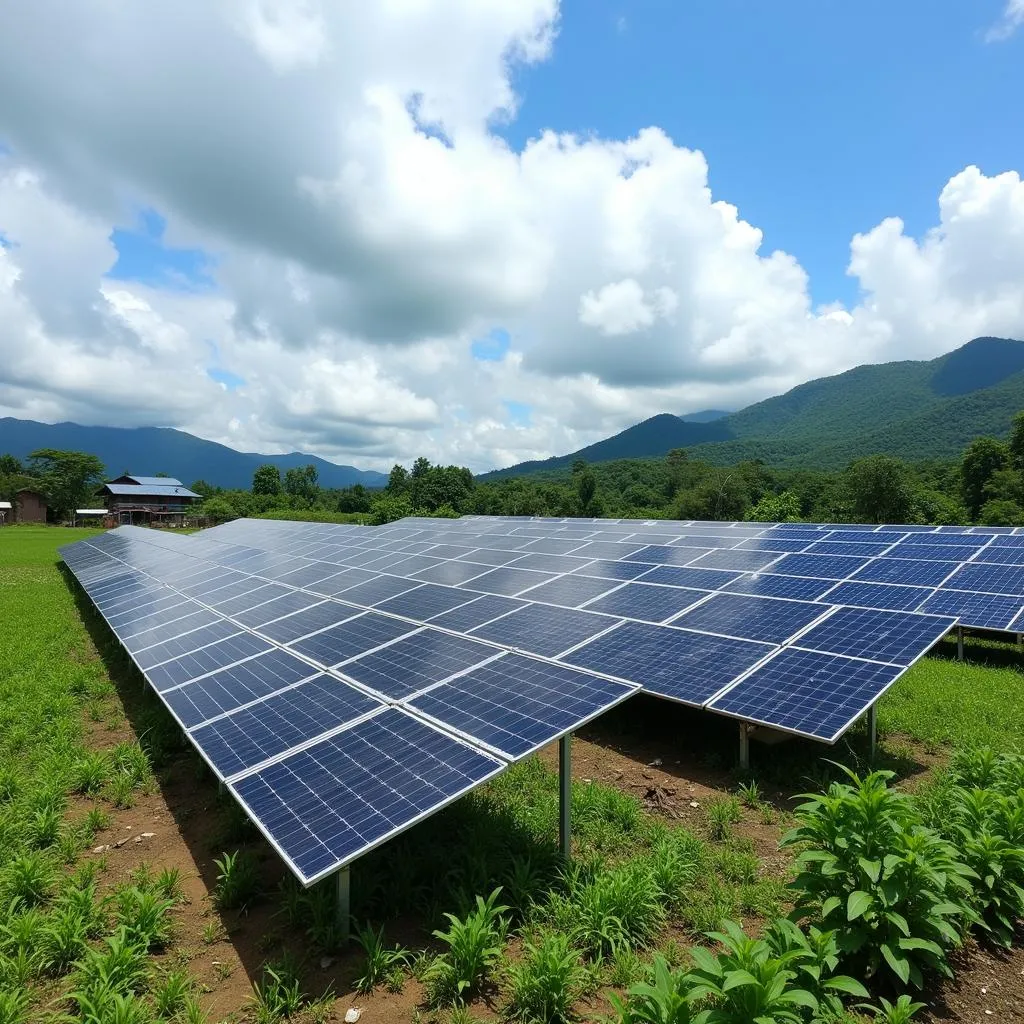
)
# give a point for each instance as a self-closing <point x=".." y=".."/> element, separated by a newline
<point x="516" y="705"/>
<point x="426" y="601"/>
<point x="509" y="582"/>
<point x="805" y="692"/>
<point x="699" y="579"/>
<point x="819" y="567"/>
<point x="550" y="563"/>
<point x="348" y="639"/>
<point x="613" y="570"/>
<point x="306" y="621"/>
<point x="773" y="543"/>
<point x="889" y="596"/>
<point x="236" y="686"/>
<point x="571" y="591"/>
<point x="325" y="805"/>
<point x="206" y="659"/>
<point x="744" y="561"/>
<point x="985" y="611"/>
<point x="150" y="657"/>
<point x="675" y="663"/>
<point x="935" y="552"/>
<point x="852" y="548"/>
<point x="261" y="614"/>
<point x="545" y="631"/>
<point x="648" y="602"/>
<point x="419" y="660"/>
<point x="899" y="638"/>
<point x="770" y="585"/>
<point x="988" y="579"/>
<point x="901" y="570"/>
<point x="1003" y="556"/>
<point x="452" y="573"/>
<point x="751" y="618"/>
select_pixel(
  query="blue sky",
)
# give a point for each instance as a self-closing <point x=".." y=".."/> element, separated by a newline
<point x="818" y="118"/>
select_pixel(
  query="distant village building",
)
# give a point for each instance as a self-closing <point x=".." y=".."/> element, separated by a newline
<point x="148" y="499"/>
<point x="6" y="512"/>
<point x="29" y="507"/>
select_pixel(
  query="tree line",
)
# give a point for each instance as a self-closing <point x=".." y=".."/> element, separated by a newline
<point x="985" y="486"/>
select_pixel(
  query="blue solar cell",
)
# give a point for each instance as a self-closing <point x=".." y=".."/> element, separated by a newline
<point x="984" y="611"/>
<point x="255" y="596"/>
<point x="325" y="805"/>
<point x="151" y="613"/>
<point x="774" y="543"/>
<point x="487" y="556"/>
<point x="699" y="579"/>
<point x="308" y="620"/>
<point x="934" y="552"/>
<point x="902" y="570"/>
<point x="769" y="585"/>
<point x="452" y="573"/>
<point x="476" y="613"/>
<point x="742" y="561"/>
<point x="550" y="563"/>
<point x="416" y="662"/>
<point x="890" y="596"/>
<point x="375" y="591"/>
<point x="307" y="575"/>
<point x="614" y="570"/>
<point x="1001" y="556"/>
<point x="232" y="687"/>
<point x="895" y="637"/>
<point x="988" y="579"/>
<point x="449" y="550"/>
<point x="675" y="663"/>
<point x="209" y="594"/>
<point x="806" y="533"/>
<point x="185" y="643"/>
<point x="647" y="601"/>
<point x="948" y="539"/>
<point x="554" y="545"/>
<point x="853" y="548"/>
<point x="751" y="618"/>
<point x="516" y="705"/>
<point x="206" y="659"/>
<point x="543" y="630"/>
<point x="291" y="601"/>
<point x="610" y="550"/>
<point x="509" y="582"/>
<point x="181" y="619"/>
<point x="818" y="567"/>
<point x="253" y="735"/>
<point x="346" y="640"/>
<point x="812" y="694"/>
<point x="426" y="601"/>
<point x="337" y="584"/>
<point x="655" y="554"/>
<point x="571" y="591"/>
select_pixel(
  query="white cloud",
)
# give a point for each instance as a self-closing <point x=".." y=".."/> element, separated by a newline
<point x="339" y="162"/>
<point x="1011" y="20"/>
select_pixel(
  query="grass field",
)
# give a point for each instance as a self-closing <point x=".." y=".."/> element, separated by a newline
<point x="210" y="928"/>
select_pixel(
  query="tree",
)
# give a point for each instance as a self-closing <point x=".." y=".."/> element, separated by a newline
<point x="1001" y="512"/>
<point x="389" y="508"/>
<point x="202" y="488"/>
<point x="10" y="466"/>
<point x="775" y="508"/>
<point x="586" y="488"/>
<point x="69" y="479"/>
<point x="218" y="508"/>
<point x="1016" y="443"/>
<point x="266" y="480"/>
<point x="983" y="458"/>
<point x="354" y="499"/>
<point x="302" y="482"/>
<point x="398" y="480"/>
<point x="881" y="490"/>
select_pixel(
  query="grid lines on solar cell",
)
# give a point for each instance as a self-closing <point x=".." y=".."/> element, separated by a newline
<point x="416" y="662"/>
<point x="347" y="639"/>
<point x="571" y="591"/>
<point x="509" y="582"/>
<point x="932" y="552"/>
<point x="888" y="596"/>
<point x="895" y="637"/>
<point x="255" y="734"/>
<point x="292" y="601"/>
<point x="648" y="602"/>
<point x="544" y="631"/>
<point x="986" y="611"/>
<point x="453" y="573"/>
<point x="601" y="569"/>
<point x="819" y="567"/>
<point x="232" y="687"/>
<point x="988" y="579"/>
<point x="751" y="618"/>
<point x="307" y="620"/>
<point x="327" y="804"/>
<point x="1001" y="556"/>
<point x="207" y="659"/>
<point x="686" y="666"/>
<point x="741" y="561"/>
<point x="852" y="548"/>
<point x="516" y="705"/>
<point x="901" y="570"/>
<point x="800" y="588"/>
<point x="185" y="644"/>
<point x="426" y="601"/>
<point x="806" y="692"/>
<point x="476" y="613"/>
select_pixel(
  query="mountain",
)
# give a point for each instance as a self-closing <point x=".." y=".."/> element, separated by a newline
<point x="149" y="450"/>
<point x="705" y="416"/>
<point x="914" y="409"/>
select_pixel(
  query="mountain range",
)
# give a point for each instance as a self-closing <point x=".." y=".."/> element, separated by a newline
<point x="151" y="450"/>
<point x="914" y="409"/>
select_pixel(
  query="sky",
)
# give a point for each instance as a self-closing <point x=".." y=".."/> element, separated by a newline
<point x="487" y="231"/>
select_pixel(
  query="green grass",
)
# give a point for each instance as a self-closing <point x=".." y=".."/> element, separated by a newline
<point x="978" y="701"/>
<point x="315" y="516"/>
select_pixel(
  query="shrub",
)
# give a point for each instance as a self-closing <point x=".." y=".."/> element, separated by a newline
<point x="893" y="891"/>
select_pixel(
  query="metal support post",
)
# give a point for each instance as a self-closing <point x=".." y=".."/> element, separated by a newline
<point x="959" y="643"/>
<point x="343" y="910"/>
<point x="564" y="794"/>
<point x="744" y="746"/>
<point x="872" y="730"/>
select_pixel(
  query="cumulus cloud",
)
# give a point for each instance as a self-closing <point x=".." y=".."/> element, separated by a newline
<point x="1011" y="20"/>
<point x="367" y="224"/>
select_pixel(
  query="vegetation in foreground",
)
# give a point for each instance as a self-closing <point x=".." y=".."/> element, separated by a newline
<point x="885" y="886"/>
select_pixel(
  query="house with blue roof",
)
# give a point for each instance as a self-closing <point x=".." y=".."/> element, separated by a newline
<point x="148" y="499"/>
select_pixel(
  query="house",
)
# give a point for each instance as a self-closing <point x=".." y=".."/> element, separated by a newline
<point x="148" y="499"/>
<point x="5" y="512"/>
<point x="29" y="506"/>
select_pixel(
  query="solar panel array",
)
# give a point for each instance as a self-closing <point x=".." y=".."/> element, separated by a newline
<point x="347" y="681"/>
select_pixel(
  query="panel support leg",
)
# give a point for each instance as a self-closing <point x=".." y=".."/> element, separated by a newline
<point x="873" y="730"/>
<point x="564" y="794"/>
<point x="959" y="643"/>
<point x="343" y="908"/>
<point x="744" y="746"/>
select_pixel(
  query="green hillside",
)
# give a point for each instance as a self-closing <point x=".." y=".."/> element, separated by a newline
<point x="912" y="409"/>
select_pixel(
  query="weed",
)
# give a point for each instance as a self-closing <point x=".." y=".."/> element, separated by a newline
<point x="13" y="1006"/>
<point x="547" y="982"/>
<point x="620" y="905"/>
<point x="91" y="773"/>
<point x="144" y="916"/>
<point x="29" y="878"/>
<point x="381" y="959"/>
<point x="237" y="881"/>
<point x="899" y="1012"/>
<point x="394" y="980"/>
<point x="722" y="813"/>
<point x="191" y="1012"/>
<point x="171" y="992"/>
<point x="119" y="966"/>
<point x="168" y="884"/>
<point x="64" y="939"/>
<point x="121" y="792"/>
<point x="277" y="995"/>
<point x="750" y="794"/>
<point x="213" y="932"/>
<point x="666" y="1001"/>
<point x="625" y="967"/>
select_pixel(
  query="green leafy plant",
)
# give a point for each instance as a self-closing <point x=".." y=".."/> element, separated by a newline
<point x="664" y="1000"/>
<point x="14" y="1004"/>
<point x="899" y="1012"/>
<point x="237" y="881"/>
<point x="29" y="878"/>
<point x="168" y="884"/>
<point x="119" y="966"/>
<point x="171" y="992"/>
<point x="91" y="773"/>
<point x="64" y="939"/>
<point x="145" y="917"/>
<point x="722" y="813"/>
<point x="277" y="995"/>
<point x="893" y="891"/>
<point x="750" y="794"/>
<point x="547" y="982"/>
<point x="474" y="944"/>
<point x="381" y="959"/>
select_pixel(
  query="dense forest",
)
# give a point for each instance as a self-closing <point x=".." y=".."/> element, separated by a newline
<point x="985" y="485"/>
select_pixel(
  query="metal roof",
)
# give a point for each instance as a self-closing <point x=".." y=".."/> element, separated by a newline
<point x="160" y="490"/>
<point x="154" y="481"/>
<point x="90" y="511"/>
<point x="5" y="505"/>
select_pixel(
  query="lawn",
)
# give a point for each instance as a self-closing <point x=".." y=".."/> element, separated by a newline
<point x="132" y="887"/>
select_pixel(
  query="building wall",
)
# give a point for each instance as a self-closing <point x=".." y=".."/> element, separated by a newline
<point x="30" y="507"/>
